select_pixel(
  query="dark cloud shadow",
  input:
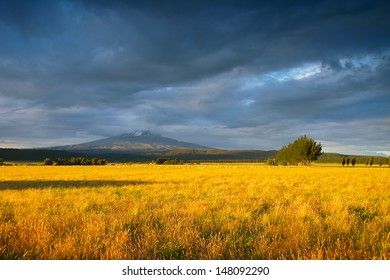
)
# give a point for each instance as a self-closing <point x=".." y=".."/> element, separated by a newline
<point x="71" y="184"/>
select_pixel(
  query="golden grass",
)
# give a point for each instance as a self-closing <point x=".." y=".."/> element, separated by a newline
<point x="209" y="211"/>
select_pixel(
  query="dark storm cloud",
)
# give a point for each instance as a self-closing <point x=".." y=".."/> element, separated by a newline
<point x="167" y="43"/>
<point x="32" y="18"/>
<point x="221" y="67"/>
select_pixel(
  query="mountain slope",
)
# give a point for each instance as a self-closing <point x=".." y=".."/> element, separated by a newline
<point x="138" y="141"/>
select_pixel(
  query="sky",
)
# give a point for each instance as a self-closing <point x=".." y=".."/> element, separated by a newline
<point x="225" y="74"/>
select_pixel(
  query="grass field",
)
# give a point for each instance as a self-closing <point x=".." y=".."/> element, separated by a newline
<point x="229" y="211"/>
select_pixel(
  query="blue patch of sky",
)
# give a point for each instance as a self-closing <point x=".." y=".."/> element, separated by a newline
<point x="298" y="73"/>
<point x="308" y="70"/>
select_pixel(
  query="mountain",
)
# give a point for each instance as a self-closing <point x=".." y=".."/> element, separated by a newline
<point x="137" y="141"/>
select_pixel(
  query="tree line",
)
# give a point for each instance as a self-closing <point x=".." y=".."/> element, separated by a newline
<point x="75" y="161"/>
<point x="364" y="160"/>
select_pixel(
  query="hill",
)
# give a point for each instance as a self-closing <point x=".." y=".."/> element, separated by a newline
<point x="38" y="155"/>
<point x="34" y="155"/>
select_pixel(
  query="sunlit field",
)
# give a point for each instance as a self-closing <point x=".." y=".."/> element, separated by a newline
<point x="225" y="211"/>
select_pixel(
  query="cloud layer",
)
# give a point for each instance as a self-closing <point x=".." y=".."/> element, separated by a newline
<point x="227" y="74"/>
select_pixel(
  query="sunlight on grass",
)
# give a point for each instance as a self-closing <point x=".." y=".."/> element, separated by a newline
<point x="225" y="211"/>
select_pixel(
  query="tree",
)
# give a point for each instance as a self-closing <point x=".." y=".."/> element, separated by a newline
<point x="101" y="162"/>
<point x="353" y="161"/>
<point x="47" y="161"/>
<point x="303" y="151"/>
<point x="380" y="161"/>
<point x="343" y="162"/>
<point x="371" y="161"/>
<point x="167" y="161"/>
<point x="283" y="156"/>
<point x="271" y="162"/>
<point x="161" y="160"/>
<point x="367" y="160"/>
<point x="348" y="161"/>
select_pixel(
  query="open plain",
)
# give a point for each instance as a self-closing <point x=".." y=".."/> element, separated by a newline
<point x="206" y="211"/>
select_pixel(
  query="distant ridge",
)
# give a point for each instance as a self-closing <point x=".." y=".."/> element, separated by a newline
<point x="38" y="155"/>
<point x="137" y="141"/>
